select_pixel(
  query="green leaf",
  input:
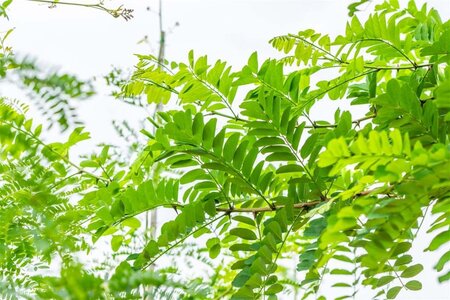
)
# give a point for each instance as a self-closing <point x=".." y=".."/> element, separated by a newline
<point x="403" y="260"/>
<point x="414" y="285"/>
<point x="241" y="278"/>
<point x="241" y="247"/>
<point x="244" y="219"/>
<point x="439" y="240"/>
<point x="230" y="146"/>
<point x="209" y="131"/>
<point x="268" y="141"/>
<point x="290" y="169"/>
<point x="104" y="214"/>
<point x="193" y="175"/>
<point x="253" y="62"/>
<point x="444" y="277"/>
<point x="281" y="156"/>
<point x="77" y="136"/>
<point x="132" y="223"/>
<point x="274" y="289"/>
<point x="243" y="233"/>
<point x="393" y="292"/>
<point x="239" y="155"/>
<point x="213" y="245"/>
<point x="340" y="272"/>
<point x="401" y="248"/>
<point x="309" y="145"/>
<point x="412" y="271"/>
<point x="275" y="229"/>
<point x="151" y="249"/>
<point x="342" y="284"/>
<point x="219" y="139"/>
<point x="384" y="280"/>
<point x="116" y="242"/>
<point x="441" y="46"/>
<point x="244" y="293"/>
<point x="210" y="207"/>
<point x="216" y="166"/>
<point x="445" y="258"/>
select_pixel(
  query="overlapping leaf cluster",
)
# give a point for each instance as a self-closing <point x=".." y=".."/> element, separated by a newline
<point x="36" y="216"/>
<point x="245" y="163"/>
<point x="266" y="168"/>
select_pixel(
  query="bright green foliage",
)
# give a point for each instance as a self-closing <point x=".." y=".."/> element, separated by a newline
<point x="36" y="216"/>
<point x="4" y="5"/>
<point x="51" y="92"/>
<point x="245" y="165"/>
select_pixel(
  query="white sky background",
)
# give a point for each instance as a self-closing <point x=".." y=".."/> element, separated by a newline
<point x="89" y="42"/>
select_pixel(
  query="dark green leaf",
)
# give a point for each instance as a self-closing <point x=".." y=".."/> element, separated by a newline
<point x="243" y="233"/>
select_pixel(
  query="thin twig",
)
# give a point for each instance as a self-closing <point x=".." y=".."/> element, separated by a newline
<point x="336" y="86"/>
<point x="256" y="210"/>
<point x="357" y="121"/>
<point x="413" y="63"/>
<point x="116" y="12"/>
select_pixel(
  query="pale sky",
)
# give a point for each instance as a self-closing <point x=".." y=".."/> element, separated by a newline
<point x="88" y="43"/>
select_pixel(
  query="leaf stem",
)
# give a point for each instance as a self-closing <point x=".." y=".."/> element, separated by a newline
<point x="413" y="63"/>
<point x="357" y="121"/>
<point x="317" y="47"/>
<point x="64" y="179"/>
<point x="65" y="159"/>
<point x="117" y="12"/>
<point x="281" y="247"/>
<point x="215" y="91"/>
<point x="336" y="86"/>
<point x="216" y="113"/>
<point x="283" y="95"/>
<point x="256" y="210"/>
<point x="182" y="240"/>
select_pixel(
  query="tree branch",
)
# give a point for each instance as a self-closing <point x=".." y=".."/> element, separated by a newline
<point x="256" y="210"/>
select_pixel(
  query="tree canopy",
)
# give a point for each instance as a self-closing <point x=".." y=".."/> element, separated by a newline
<point x="246" y="169"/>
